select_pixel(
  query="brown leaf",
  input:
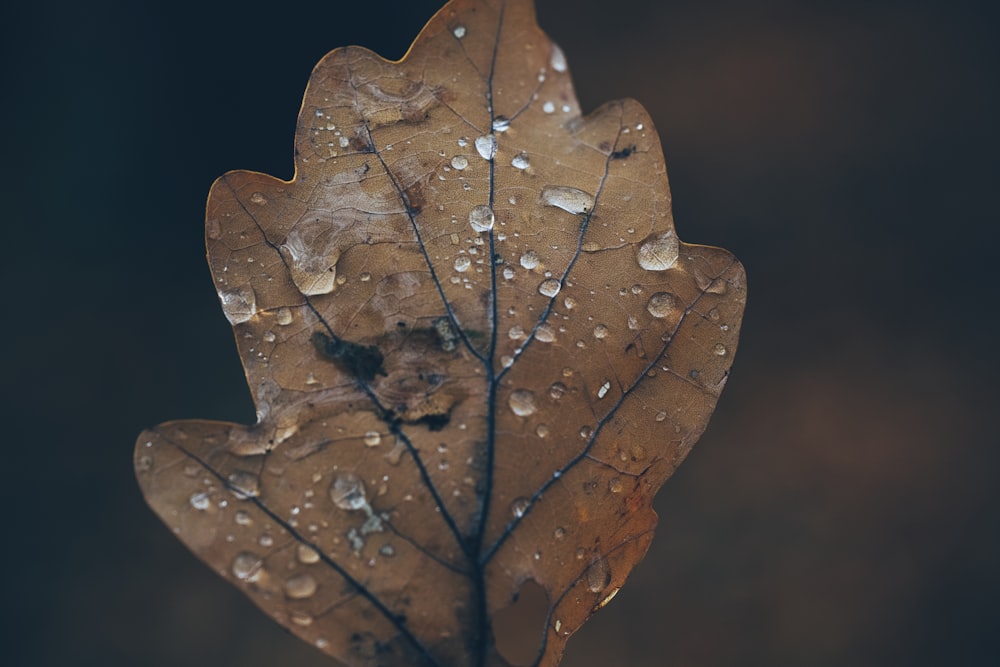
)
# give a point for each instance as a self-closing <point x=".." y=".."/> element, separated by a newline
<point x="476" y="347"/>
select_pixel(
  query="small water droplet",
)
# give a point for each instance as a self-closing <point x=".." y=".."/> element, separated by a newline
<point x="615" y="485"/>
<point x="549" y="287"/>
<point x="601" y="331"/>
<point x="542" y="431"/>
<point x="602" y="392"/>
<point x="265" y="540"/>
<point x="661" y="304"/>
<point x="387" y="550"/>
<point x="508" y="273"/>
<point x="659" y="252"/>
<point x="516" y="332"/>
<point x="486" y="145"/>
<point x="557" y="59"/>
<point x="458" y="31"/>
<point x="557" y="390"/>
<point x="501" y="124"/>
<point x="348" y="492"/>
<point x="247" y="566"/>
<point x="481" y="218"/>
<point x="598" y="575"/>
<point x="460" y="162"/>
<point x="283" y="317"/>
<point x="200" y="501"/>
<point x="529" y="260"/>
<point x="720" y="349"/>
<point x="300" y="586"/>
<point x="549" y="107"/>
<point x="269" y="336"/>
<point x="545" y="333"/>
<point x="373" y="438"/>
<point x="522" y="402"/>
<point x="462" y="263"/>
<point x="661" y="415"/>
<point x="307" y="554"/>
<point x="520" y="161"/>
<point x="239" y="305"/>
<point x="586" y="432"/>
<point x="519" y="507"/>
<point x="301" y="618"/>
<point x="258" y="198"/>
<point x="243" y="518"/>
<point x="244" y="484"/>
<point x="572" y="200"/>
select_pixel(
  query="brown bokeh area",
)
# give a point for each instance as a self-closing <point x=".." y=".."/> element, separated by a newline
<point x="840" y="509"/>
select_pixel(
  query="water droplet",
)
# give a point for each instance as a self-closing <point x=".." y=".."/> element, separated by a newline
<point x="661" y="415"/>
<point x="459" y="31"/>
<point x="542" y="431"/>
<point x="602" y="392"/>
<point x="269" y="336"/>
<point x="462" y="263"/>
<point x="549" y="287"/>
<point x="522" y="402"/>
<point x="307" y="554"/>
<point x="265" y="540"/>
<point x="348" y="492"/>
<point x="300" y="586"/>
<point x="239" y="304"/>
<point x="258" y="198"/>
<point x="200" y="501"/>
<point x="244" y="484"/>
<point x="720" y="349"/>
<point x="344" y="142"/>
<point x="481" y="218"/>
<point x="601" y="331"/>
<point x="529" y="260"/>
<point x="520" y="161"/>
<point x="301" y="618"/>
<point x="373" y="438"/>
<point x="549" y="107"/>
<point x="557" y="59"/>
<point x="312" y="257"/>
<point x="247" y="566"/>
<point x="572" y="200"/>
<point x="243" y="518"/>
<point x="387" y="550"/>
<point x="487" y="146"/>
<point x="283" y="317"/>
<point x="519" y="507"/>
<point x="659" y="252"/>
<point x="557" y="390"/>
<point x="501" y="124"/>
<point x="598" y="575"/>
<point x="459" y="162"/>
<point x="545" y="333"/>
<point x="661" y="304"/>
<point x="508" y="273"/>
<point x="516" y="332"/>
<point x="586" y="432"/>
<point x="615" y="485"/>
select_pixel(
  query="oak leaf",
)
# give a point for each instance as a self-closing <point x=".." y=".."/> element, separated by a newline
<point x="476" y="346"/>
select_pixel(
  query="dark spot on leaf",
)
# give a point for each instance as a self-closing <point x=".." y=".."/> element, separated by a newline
<point x="623" y="153"/>
<point x="362" y="361"/>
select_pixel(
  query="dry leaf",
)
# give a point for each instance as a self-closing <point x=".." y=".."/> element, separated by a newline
<point x="476" y="347"/>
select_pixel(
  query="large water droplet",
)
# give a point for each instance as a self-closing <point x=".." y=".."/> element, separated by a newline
<point x="519" y="507"/>
<point x="199" y="501"/>
<point x="239" y="304"/>
<point x="300" y="586"/>
<point x="244" y="484"/>
<point x="247" y="566"/>
<point x="481" y="218"/>
<point x="661" y="304"/>
<point x="598" y="575"/>
<point x="529" y="260"/>
<point x="487" y="146"/>
<point x="520" y="161"/>
<point x="601" y="331"/>
<point x="312" y="257"/>
<point x="545" y="333"/>
<point x="307" y="554"/>
<point x="549" y="287"/>
<point x="348" y="492"/>
<point x="573" y="200"/>
<point x="459" y="162"/>
<point x="659" y="252"/>
<point x="522" y="402"/>
<point x="557" y="59"/>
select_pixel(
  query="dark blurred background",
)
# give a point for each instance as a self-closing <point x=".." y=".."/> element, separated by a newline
<point x="840" y="510"/>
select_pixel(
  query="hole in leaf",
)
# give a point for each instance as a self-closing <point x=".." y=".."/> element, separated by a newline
<point x="519" y="629"/>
